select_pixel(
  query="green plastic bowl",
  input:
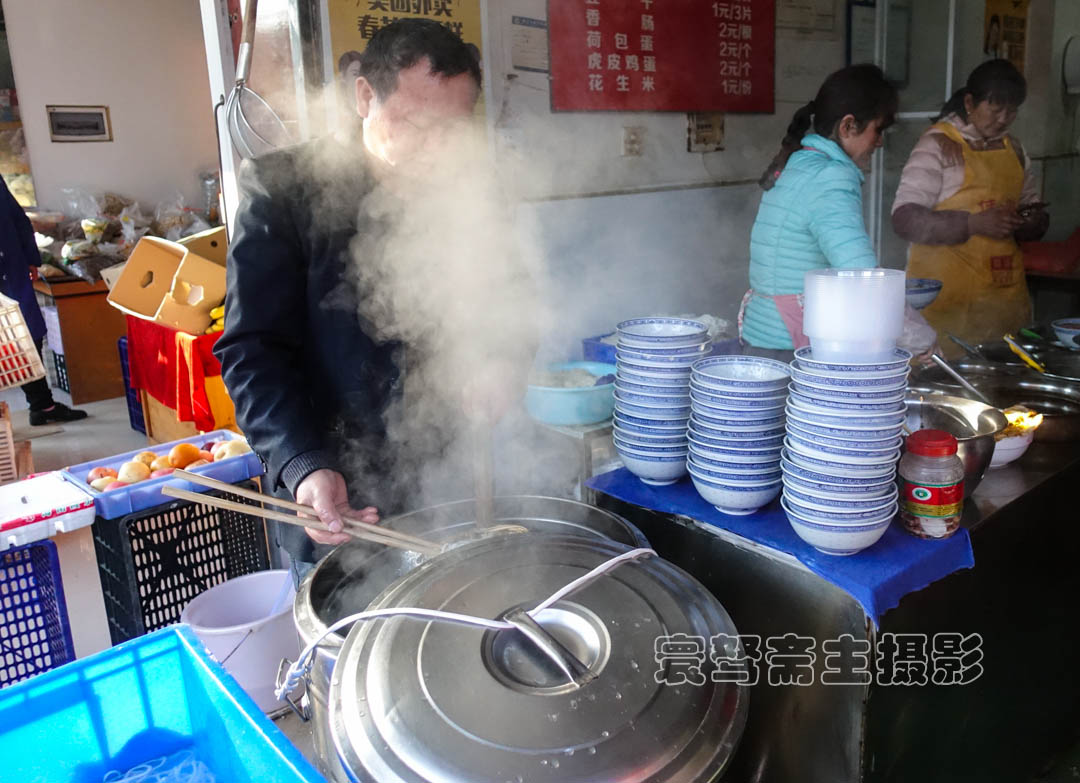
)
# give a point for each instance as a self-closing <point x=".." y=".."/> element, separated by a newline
<point x="576" y="406"/>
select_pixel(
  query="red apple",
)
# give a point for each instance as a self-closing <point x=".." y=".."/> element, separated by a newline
<point x="117" y="485"/>
<point x="210" y="445"/>
<point x="97" y="473"/>
<point x="162" y="472"/>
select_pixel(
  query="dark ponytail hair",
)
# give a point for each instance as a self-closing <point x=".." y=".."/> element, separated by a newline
<point x="997" y="81"/>
<point x="859" y="90"/>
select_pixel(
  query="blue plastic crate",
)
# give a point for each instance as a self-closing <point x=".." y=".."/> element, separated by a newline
<point x="134" y="404"/>
<point x="150" y="697"/>
<point x="35" y="634"/>
<point x="147" y="494"/>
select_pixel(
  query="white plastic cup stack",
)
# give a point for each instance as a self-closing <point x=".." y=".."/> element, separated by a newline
<point x="653" y="357"/>
<point x="853" y="315"/>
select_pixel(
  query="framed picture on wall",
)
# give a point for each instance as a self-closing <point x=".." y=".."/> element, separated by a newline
<point x="862" y="36"/>
<point x="79" y="123"/>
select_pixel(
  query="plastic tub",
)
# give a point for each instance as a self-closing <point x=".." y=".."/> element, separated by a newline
<point x="234" y="620"/>
<point x="148" y="698"/>
<point x="147" y="494"/>
<point x="567" y="407"/>
<point x="853" y="315"/>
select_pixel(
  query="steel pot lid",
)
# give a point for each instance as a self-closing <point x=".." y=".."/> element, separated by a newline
<point x="439" y="703"/>
<point x="354" y="574"/>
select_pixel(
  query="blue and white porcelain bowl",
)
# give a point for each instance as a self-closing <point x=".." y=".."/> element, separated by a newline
<point x="725" y="453"/>
<point x="651" y="423"/>
<point x="921" y="291"/>
<point x="835" y="476"/>
<point x="743" y="417"/>
<point x="832" y="490"/>
<point x="659" y="389"/>
<point x="844" y="506"/>
<point x="841" y="383"/>
<point x="648" y="430"/>
<point x="832" y="467"/>
<point x="740" y="420"/>
<point x="751" y="471"/>
<point x="717" y="402"/>
<point x="857" y="434"/>
<point x="657" y="381"/>
<point x="649" y="412"/>
<point x="846" y="418"/>
<point x="675" y="398"/>
<point x="665" y="352"/>
<point x="742" y="373"/>
<point x="849" y="395"/>
<point x="656" y="370"/>
<point x="651" y="468"/>
<point x="833" y="539"/>
<point x="738" y="394"/>
<point x="661" y="331"/>
<point x="734" y="498"/>
<point x="735" y="433"/>
<point x="774" y="441"/>
<point x="758" y="459"/>
<point x="633" y="437"/>
<point x="805" y="360"/>
<point x="866" y="445"/>
<point x="645" y="448"/>
<point x="662" y="361"/>
<point x="836" y="516"/>
<point x="722" y="476"/>
<point x="845" y="407"/>
<point x="856" y="456"/>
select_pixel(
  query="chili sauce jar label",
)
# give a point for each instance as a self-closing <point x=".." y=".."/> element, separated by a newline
<point x="932" y="500"/>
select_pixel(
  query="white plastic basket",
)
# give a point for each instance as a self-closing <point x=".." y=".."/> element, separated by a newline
<point x="19" y="360"/>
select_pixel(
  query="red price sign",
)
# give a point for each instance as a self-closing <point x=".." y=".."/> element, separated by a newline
<point x="662" y="55"/>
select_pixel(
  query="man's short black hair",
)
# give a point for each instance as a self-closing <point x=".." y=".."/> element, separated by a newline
<point x="403" y="43"/>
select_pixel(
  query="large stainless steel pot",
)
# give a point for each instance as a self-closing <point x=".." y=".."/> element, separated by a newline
<point x="419" y="702"/>
<point x="354" y="574"/>
<point x="1057" y="399"/>
<point x="972" y="423"/>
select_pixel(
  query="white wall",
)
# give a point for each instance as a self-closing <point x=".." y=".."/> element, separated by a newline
<point x="146" y="62"/>
<point x="667" y="232"/>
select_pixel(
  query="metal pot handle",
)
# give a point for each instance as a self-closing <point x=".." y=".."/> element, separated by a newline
<point x="282" y="673"/>
<point x="576" y="672"/>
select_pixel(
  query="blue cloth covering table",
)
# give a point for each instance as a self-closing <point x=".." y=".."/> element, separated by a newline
<point x="877" y="577"/>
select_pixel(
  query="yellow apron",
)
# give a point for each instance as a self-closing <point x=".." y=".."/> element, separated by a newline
<point x="985" y="293"/>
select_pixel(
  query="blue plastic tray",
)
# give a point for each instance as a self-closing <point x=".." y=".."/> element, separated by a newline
<point x="147" y="494"/>
<point x="146" y="698"/>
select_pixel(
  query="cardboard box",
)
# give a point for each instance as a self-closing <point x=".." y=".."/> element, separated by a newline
<point x="111" y="274"/>
<point x="167" y="283"/>
<point x="211" y="244"/>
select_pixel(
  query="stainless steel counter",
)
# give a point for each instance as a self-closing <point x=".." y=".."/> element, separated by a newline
<point x="1024" y="521"/>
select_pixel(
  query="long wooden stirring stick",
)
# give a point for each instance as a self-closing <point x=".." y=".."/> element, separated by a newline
<point x="356" y="530"/>
<point x="411" y="542"/>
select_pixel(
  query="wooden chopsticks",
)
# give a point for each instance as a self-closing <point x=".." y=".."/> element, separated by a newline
<point x="353" y="527"/>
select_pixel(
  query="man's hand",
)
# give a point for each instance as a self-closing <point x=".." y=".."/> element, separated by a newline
<point x="325" y="491"/>
<point x="997" y="222"/>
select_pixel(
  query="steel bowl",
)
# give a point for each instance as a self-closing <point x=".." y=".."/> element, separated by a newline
<point x="972" y="423"/>
<point x="1057" y="399"/>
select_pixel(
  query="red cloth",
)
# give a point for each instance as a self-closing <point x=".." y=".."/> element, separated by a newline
<point x="172" y="366"/>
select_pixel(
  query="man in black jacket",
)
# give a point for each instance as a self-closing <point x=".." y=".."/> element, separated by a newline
<point x="311" y="379"/>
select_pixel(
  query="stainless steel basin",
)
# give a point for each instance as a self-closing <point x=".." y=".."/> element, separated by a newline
<point x="972" y="423"/>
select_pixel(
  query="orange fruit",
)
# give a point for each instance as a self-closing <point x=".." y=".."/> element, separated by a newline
<point x="183" y="454"/>
<point x="206" y="455"/>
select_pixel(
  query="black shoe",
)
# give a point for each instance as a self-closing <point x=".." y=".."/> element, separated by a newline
<point x="58" y="412"/>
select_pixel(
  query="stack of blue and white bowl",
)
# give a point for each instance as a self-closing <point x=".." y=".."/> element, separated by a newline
<point x="844" y="421"/>
<point x="653" y="357"/>
<point x="737" y="431"/>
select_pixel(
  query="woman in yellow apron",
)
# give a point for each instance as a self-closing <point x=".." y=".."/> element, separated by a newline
<point x="966" y="196"/>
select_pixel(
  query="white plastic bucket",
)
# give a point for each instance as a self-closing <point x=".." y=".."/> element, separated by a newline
<point x="233" y="620"/>
<point x="853" y="315"/>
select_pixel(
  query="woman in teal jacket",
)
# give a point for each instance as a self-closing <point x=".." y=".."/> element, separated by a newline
<point x="811" y="214"/>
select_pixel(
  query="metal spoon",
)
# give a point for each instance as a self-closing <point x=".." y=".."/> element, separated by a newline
<point x="971" y="350"/>
<point x="960" y="378"/>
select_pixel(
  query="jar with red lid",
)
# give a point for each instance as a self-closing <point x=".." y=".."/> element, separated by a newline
<point x="931" y="484"/>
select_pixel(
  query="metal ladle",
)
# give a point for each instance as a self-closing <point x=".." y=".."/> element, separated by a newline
<point x="960" y="379"/>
